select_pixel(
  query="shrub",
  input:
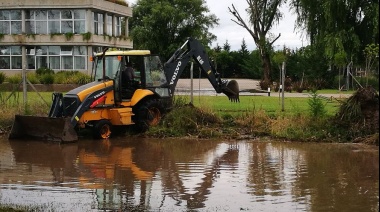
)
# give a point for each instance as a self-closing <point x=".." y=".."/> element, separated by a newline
<point x="71" y="77"/>
<point x="15" y="79"/>
<point x="316" y="106"/>
<point x="2" y="77"/>
<point x="43" y="70"/>
<point x="297" y="86"/>
<point x="47" y="79"/>
<point x="264" y="85"/>
<point x="81" y="78"/>
<point x="33" y="78"/>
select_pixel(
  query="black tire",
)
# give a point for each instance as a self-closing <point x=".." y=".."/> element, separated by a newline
<point x="147" y="113"/>
<point x="102" y="129"/>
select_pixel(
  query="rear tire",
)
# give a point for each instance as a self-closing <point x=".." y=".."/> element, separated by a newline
<point x="102" y="129"/>
<point x="147" y="113"/>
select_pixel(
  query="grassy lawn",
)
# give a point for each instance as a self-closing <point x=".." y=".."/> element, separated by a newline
<point x="220" y="104"/>
<point x="271" y="105"/>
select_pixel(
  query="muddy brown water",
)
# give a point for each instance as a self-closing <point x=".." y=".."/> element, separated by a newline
<point x="125" y="174"/>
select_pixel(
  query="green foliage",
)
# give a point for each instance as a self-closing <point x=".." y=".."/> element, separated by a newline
<point x="339" y="27"/>
<point x="45" y="75"/>
<point x="14" y="79"/>
<point x="33" y="78"/>
<point x="71" y="77"/>
<point x="43" y="70"/>
<point x="81" y="79"/>
<point x="251" y="66"/>
<point x="185" y="120"/>
<point x="86" y="36"/>
<point x="69" y="35"/>
<point x="316" y="106"/>
<point x="371" y="52"/>
<point x="2" y="77"/>
<point x="182" y="19"/>
<point x="47" y="79"/>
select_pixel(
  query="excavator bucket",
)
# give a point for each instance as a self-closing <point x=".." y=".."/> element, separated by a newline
<point x="45" y="128"/>
<point x="231" y="90"/>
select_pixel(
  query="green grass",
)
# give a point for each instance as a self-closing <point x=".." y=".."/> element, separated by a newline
<point x="219" y="104"/>
<point x="271" y="105"/>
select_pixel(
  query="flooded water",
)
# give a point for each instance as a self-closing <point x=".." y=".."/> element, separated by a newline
<point x="125" y="174"/>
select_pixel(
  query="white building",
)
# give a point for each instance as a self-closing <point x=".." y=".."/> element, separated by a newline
<point x="60" y="35"/>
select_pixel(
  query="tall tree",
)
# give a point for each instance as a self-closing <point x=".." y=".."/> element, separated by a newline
<point x="227" y="46"/>
<point x="263" y="15"/>
<point x="162" y="26"/>
<point x="243" y="49"/>
<point x="342" y="27"/>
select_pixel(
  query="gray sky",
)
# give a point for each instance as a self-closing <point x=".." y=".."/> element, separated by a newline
<point x="227" y="30"/>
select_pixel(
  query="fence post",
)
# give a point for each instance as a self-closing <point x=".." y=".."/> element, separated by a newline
<point x="283" y="85"/>
<point x="191" y="83"/>
<point x="24" y="84"/>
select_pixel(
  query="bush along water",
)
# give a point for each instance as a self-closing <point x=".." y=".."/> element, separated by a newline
<point x="356" y="121"/>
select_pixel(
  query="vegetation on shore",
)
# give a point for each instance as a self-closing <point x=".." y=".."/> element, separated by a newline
<point x="315" y="118"/>
<point x="354" y="120"/>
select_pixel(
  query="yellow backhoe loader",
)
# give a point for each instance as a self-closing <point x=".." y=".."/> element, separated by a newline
<point x="110" y="103"/>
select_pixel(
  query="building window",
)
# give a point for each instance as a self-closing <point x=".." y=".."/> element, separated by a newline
<point x="98" y="23"/>
<point x="57" y="57"/>
<point x="67" y="21"/>
<point x="109" y="25"/>
<point x="30" y="57"/>
<point x="118" y="26"/>
<point x="10" y="57"/>
<point x="55" y="21"/>
<point x="10" y="22"/>
<point x="79" y="21"/>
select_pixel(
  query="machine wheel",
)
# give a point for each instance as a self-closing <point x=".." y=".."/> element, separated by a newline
<point x="102" y="129"/>
<point x="147" y="113"/>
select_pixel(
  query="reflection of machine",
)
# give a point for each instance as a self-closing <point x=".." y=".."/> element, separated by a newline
<point x="106" y="105"/>
<point x="111" y="170"/>
<point x="121" y="175"/>
<point x="104" y="166"/>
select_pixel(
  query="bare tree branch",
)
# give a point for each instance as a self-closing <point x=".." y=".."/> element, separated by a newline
<point x="241" y="22"/>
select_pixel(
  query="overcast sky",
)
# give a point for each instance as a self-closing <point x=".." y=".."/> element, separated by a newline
<point x="227" y="30"/>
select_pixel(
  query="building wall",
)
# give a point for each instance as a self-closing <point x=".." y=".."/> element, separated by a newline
<point x="39" y="33"/>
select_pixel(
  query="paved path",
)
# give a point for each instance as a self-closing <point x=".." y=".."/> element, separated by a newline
<point x="204" y="87"/>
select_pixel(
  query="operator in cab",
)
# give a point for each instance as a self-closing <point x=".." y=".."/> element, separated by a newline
<point x="128" y="81"/>
<point x="129" y="73"/>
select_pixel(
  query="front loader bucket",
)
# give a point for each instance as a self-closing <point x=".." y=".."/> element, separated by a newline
<point x="45" y="128"/>
<point x="231" y="90"/>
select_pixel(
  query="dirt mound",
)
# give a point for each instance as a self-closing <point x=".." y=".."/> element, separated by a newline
<point x="360" y="113"/>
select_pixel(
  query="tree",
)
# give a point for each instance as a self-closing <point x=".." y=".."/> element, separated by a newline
<point x="251" y="66"/>
<point x="263" y="14"/>
<point x="227" y="46"/>
<point x="342" y="27"/>
<point x="162" y="26"/>
<point x="243" y="49"/>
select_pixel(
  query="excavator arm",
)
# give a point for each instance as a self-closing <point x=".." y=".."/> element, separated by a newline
<point x="193" y="49"/>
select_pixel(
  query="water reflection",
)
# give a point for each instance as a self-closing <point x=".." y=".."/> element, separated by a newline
<point x="182" y="175"/>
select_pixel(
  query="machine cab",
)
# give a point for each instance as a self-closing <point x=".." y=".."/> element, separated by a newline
<point x="148" y="70"/>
